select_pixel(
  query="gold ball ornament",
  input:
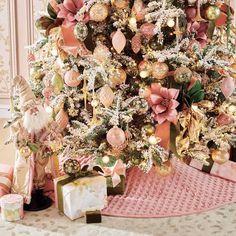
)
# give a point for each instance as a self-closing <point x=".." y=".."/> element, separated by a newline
<point x="164" y="170"/>
<point x="149" y="129"/>
<point x="160" y="70"/>
<point x="170" y="22"/>
<point x="220" y="156"/>
<point x="118" y="77"/>
<point x="71" y="78"/>
<point x="25" y="152"/>
<point x="145" y="69"/>
<point x="98" y="12"/>
<point x="233" y="67"/>
<point x="212" y="12"/>
<point x="120" y="4"/>
<point x="183" y="75"/>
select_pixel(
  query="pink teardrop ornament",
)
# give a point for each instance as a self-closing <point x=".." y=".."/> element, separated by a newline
<point x="227" y="86"/>
<point x="118" y="41"/>
<point x="138" y="10"/>
<point x="136" y="43"/>
<point x="106" y="96"/>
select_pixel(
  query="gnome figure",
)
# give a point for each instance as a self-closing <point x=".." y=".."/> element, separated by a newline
<point x="32" y="128"/>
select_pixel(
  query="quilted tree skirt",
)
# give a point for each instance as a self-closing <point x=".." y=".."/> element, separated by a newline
<point x="186" y="191"/>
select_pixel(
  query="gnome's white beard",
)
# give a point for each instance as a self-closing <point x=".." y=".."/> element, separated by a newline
<point x="35" y="119"/>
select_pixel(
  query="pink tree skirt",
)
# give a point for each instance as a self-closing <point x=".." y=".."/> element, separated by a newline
<point x="187" y="191"/>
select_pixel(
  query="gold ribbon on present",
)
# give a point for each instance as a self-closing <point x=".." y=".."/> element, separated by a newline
<point x="66" y="179"/>
<point x="114" y="172"/>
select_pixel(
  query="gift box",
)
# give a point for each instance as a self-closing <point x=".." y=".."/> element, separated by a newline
<point x="115" y="189"/>
<point x="6" y="175"/>
<point x="115" y="176"/>
<point x="12" y="207"/>
<point x="75" y="196"/>
<point x="226" y="170"/>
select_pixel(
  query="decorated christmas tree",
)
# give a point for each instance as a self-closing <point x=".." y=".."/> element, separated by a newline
<point x="138" y="80"/>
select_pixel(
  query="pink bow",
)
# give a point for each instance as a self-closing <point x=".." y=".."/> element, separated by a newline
<point x="115" y="172"/>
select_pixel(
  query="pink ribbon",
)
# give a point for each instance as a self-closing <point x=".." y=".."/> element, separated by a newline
<point x="115" y="172"/>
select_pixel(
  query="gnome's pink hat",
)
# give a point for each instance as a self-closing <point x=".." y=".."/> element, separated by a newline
<point x="27" y="97"/>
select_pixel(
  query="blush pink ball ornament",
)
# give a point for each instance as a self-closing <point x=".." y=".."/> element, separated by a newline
<point x="116" y="137"/>
<point x="72" y="78"/>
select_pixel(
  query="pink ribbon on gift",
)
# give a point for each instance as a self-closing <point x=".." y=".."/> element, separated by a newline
<point x="115" y="172"/>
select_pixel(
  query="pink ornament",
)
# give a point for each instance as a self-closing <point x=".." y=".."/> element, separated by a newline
<point x="118" y="41"/>
<point x="136" y="43"/>
<point x="101" y="52"/>
<point x="106" y="96"/>
<point x="47" y="92"/>
<point x="227" y="86"/>
<point x="138" y="10"/>
<point x="72" y="78"/>
<point x="116" y="137"/>
<point x="224" y="119"/>
<point x="147" y="29"/>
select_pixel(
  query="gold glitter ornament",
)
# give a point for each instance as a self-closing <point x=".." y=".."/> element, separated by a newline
<point x="118" y="77"/>
<point x="220" y="156"/>
<point x="98" y="12"/>
<point x="212" y="12"/>
<point x="160" y="70"/>
<point x="183" y="75"/>
<point x="71" y="167"/>
<point x="120" y="4"/>
<point x="149" y="129"/>
<point x="145" y="69"/>
<point x="25" y="152"/>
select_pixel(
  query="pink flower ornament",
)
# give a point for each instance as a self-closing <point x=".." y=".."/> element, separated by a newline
<point x="163" y="103"/>
<point x="68" y="10"/>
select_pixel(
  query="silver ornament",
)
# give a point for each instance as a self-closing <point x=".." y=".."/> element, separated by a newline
<point x="81" y="31"/>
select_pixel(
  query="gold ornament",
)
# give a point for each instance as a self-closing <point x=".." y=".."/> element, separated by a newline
<point x="183" y="75"/>
<point x="106" y="96"/>
<point x="118" y="77"/>
<point x="164" y="170"/>
<point x="98" y="12"/>
<point x="233" y="67"/>
<point x="149" y="129"/>
<point x="120" y="4"/>
<point x="220" y="156"/>
<point x="145" y="69"/>
<point x="57" y="83"/>
<point x="212" y="12"/>
<point x="25" y="152"/>
<point x="170" y="22"/>
<point x="160" y="70"/>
